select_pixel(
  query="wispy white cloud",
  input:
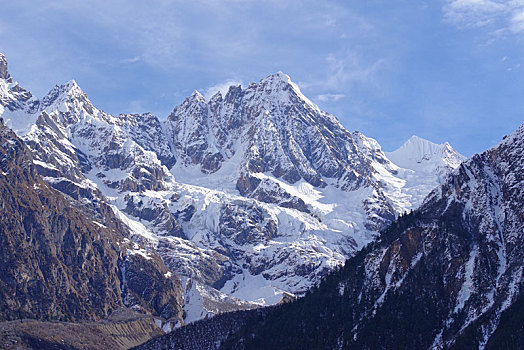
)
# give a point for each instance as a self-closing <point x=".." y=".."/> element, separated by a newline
<point x="350" y="73"/>
<point x="501" y="15"/>
<point x="517" y="21"/>
<point x="221" y="87"/>
<point x="346" y="71"/>
<point x="330" y="97"/>
<point x="170" y="32"/>
<point x="131" y="59"/>
<point x="348" y="68"/>
<point x="473" y="13"/>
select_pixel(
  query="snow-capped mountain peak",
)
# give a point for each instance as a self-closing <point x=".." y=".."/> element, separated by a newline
<point x="279" y="88"/>
<point x="278" y="79"/>
<point x="62" y="93"/>
<point x="216" y="98"/>
<point x="418" y="152"/>
<point x="423" y="164"/>
<point x="70" y="104"/>
<point x="196" y="95"/>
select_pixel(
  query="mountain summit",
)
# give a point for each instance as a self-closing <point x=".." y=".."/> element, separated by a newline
<point x="417" y="153"/>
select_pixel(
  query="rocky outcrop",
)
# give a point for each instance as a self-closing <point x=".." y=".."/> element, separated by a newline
<point x="4" y="73"/>
<point x="156" y="212"/>
<point x="146" y="130"/>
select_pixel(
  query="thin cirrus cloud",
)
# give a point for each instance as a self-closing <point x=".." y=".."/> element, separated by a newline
<point x="503" y="16"/>
<point x="330" y="97"/>
<point x="131" y="59"/>
<point x="348" y="69"/>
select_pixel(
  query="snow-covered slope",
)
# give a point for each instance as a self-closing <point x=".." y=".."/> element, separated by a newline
<point x="249" y="197"/>
<point x="418" y="153"/>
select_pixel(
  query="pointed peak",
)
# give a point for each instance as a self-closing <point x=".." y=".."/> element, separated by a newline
<point x="418" y="143"/>
<point x="281" y="81"/>
<point x="417" y="139"/>
<point x="69" y="88"/>
<point x="72" y="87"/>
<point x="281" y="88"/>
<point x="233" y="90"/>
<point x="195" y="98"/>
<point x="4" y="73"/>
<point x="197" y="94"/>
<point x="282" y="76"/>
<point x="216" y="97"/>
<point x="417" y="150"/>
<point x="277" y="83"/>
<point x="64" y="92"/>
<point x="71" y="84"/>
<point x="277" y="77"/>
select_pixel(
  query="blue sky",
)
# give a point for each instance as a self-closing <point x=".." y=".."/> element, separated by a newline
<point x="445" y="70"/>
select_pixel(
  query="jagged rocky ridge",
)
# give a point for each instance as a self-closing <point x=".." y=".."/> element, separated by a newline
<point x="446" y="276"/>
<point x="248" y="197"/>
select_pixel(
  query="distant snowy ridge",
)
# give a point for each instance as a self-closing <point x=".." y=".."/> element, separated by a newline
<point x="423" y="164"/>
<point x="418" y="153"/>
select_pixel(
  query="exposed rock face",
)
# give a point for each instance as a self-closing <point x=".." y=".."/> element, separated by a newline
<point x="155" y="212"/>
<point x="4" y="74"/>
<point x="50" y="248"/>
<point x="146" y="130"/>
<point x="60" y="260"/>
<point x="448" y="275"/>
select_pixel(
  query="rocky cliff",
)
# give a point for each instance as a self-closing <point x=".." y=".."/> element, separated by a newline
<point x="61" y="260"/>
